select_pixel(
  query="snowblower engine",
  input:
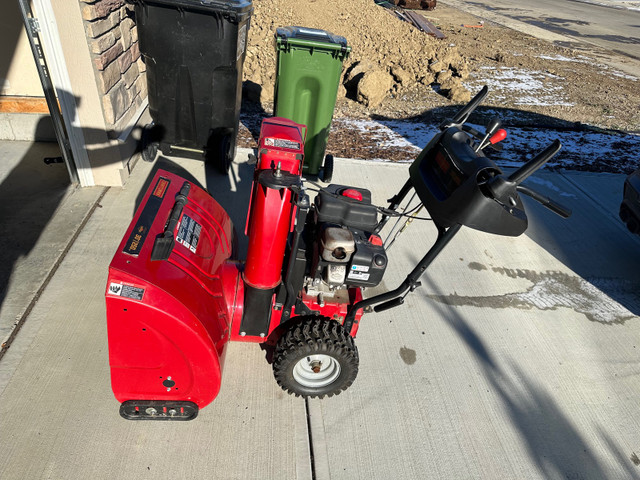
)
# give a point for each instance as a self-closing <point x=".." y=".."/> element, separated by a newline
<point x="345" y="252"/>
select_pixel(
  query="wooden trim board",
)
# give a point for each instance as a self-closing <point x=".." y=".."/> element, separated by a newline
<point x="14" y="104"/>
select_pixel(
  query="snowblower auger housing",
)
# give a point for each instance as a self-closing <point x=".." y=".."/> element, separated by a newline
<point x="169" y="319"/>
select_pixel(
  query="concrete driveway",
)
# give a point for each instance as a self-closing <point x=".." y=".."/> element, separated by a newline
<point x="517" y="358"/>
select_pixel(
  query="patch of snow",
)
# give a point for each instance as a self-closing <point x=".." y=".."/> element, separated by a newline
<point x="618" y="152"/>
<point x="615" y="73"/>
<point x="393" y="133"/>
<point x="560" y="58"/>
<point x="529" y="87"/>
<point x="586" y="146"/>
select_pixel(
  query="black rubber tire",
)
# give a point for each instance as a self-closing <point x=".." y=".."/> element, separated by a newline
<point x="149" y="152"/>
<point x="315" y="337"/>
<point x="219" y="157"/>
<point x="624" y="213"/>
<point x="327" y="169"/>
<point x="149" y="147"/>
<point x="225" y="154"/>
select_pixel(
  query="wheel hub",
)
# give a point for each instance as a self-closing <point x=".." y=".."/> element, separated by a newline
<point x="315" y="366"/>
<point x="316" y="371"/>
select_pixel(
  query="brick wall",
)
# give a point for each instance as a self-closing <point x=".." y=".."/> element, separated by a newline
<point x="118" y="66"/>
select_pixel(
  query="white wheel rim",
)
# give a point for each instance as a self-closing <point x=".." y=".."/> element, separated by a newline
<point x="316" y="371"/>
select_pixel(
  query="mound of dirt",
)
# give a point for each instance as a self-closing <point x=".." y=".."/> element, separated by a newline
<point x="387" y="54"/>
<point x="534" y="85"/>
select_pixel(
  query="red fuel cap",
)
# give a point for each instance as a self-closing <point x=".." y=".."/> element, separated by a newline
<point x="352" y="193"/>
<point x="375" y="240"/>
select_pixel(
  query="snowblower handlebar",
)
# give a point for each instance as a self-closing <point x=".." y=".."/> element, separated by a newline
<point x="163" y="245"/>
<point x="463" y="115"/>
<point x="459" y="186"/>
<point x="504" y="189"/>
<point x="535" y="163"/>
<point x="545" y="201"/>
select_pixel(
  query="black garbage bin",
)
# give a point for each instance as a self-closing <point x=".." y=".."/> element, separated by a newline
<point x="194" y="51"/>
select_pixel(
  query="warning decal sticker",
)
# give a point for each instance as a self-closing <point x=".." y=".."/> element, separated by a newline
<point x="161" y="187"/>
<point x="189" y="233"/>
<point x="360" y="268"/>
<point x="127" y="291"/>
<point x="358" y="276"/>
<point x="281" y="143"/>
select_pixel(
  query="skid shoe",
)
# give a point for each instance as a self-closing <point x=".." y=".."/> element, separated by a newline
<point x="158" y="410"/>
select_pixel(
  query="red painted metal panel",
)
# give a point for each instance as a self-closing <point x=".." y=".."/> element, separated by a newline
<point x="268" y="231"/>
<point x="270" y="213"/>
<point x="281" y="141"/>
<point x="336" y="310"/>
<point x="171" y="318"/>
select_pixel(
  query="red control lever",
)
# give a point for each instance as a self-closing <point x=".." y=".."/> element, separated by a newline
<point x="498" y="136"/>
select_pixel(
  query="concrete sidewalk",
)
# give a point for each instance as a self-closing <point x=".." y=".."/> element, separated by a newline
<point x="41" y="214"/>
<point x="518" y="358"/>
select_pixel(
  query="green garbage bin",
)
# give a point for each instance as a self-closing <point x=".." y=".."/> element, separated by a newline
<point x="309" y="64"/>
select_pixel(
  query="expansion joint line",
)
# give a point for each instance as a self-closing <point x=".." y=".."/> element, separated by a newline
<point x="310" y="436"/>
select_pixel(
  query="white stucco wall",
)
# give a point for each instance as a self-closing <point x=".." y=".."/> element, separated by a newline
<point x="18" y="74"/>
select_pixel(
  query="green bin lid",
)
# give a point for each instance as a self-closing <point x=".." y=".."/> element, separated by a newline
<point x="311" y="37"/>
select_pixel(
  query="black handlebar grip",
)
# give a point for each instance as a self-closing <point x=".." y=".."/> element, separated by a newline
<point x="163" y="246"/>
<point x="535" y="163"/>
<point x="176" y="212"/>
<point x="462" y="115"/>
<point x="558" y="209"/>
<point x="552" y="205"/>
<point x="396" y="302"/>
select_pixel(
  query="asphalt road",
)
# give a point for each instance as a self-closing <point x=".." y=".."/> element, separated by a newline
<point x="615" y="30"/>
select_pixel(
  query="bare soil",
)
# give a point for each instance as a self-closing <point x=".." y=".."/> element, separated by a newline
<point x="532" y="83"/>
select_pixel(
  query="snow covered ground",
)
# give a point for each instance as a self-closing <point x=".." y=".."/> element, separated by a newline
<point x="530" y="87"/>
<point x="582" y="149"/>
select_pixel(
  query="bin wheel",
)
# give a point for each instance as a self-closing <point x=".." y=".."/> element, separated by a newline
<point x="149" y="147"/>
<point x="149" y="152"/>
<point x="624" y="213"/>
<point x="220" y="155"/>
<point x="327" y="169"/>
<point x="314" y="358"/>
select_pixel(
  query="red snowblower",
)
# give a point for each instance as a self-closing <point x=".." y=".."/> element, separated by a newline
<point x="177" y="294"/>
